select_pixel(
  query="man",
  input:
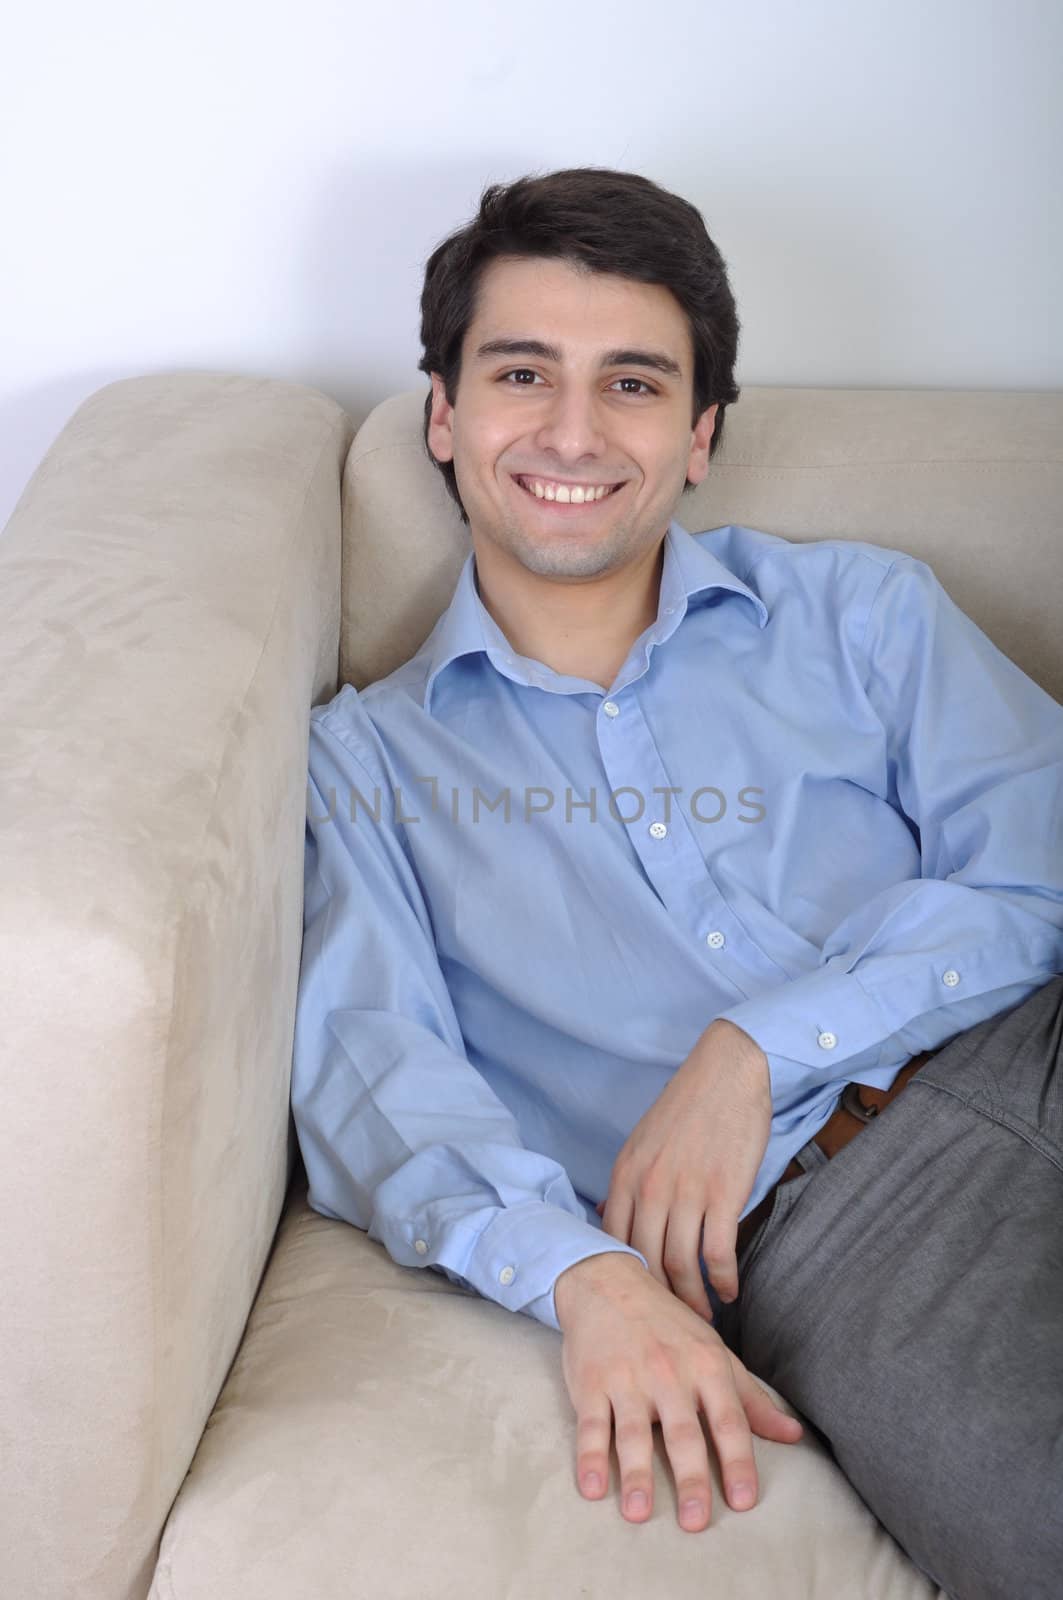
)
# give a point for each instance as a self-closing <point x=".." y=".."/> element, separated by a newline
<point x="659" y="843"/>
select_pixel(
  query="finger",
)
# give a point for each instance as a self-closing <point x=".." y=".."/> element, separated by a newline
<point x="618" y="1210"/>
<point x="594" y="1428"/>
<point x="634" y="1449"/>
<point x="688" y="1454"/>
<point x="721" y="1258"/>
<point x="732" y="1437"/>
<point x="682" y="1244"/>
<point x="766" y="1417"/>
<point x="647" y="1235"/>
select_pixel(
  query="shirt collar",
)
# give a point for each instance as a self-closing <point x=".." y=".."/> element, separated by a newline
<point x="690" y="570"/>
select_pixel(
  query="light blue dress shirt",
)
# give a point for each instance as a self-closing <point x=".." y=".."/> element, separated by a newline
<point x="816" y="800"/>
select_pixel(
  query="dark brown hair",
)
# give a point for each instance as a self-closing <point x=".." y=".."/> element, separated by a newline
<point x="616" y="222"/>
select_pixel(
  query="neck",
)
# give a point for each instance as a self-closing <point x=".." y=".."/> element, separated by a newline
<point x="582" y="629"/>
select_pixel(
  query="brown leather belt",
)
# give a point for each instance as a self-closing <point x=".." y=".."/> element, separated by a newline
<point x="860" y="1104"/>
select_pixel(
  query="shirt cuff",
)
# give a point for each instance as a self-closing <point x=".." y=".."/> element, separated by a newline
<point x="519" y="1256"/>
<point x="816" y="1021"/>
<point x="832" y="1023"/>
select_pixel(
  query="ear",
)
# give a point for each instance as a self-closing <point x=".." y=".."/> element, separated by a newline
<point x="698" y="464"/>
<point x="441" y="422"/>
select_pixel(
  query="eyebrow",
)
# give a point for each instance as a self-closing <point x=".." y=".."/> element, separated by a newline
<point x="656" y="360"/>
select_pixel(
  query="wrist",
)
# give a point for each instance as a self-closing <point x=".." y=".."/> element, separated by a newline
<point x="583" y="1279"/>
<point x="738" y="1040"/>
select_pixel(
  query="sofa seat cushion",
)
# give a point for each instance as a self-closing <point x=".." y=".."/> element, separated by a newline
<point x="385" y="1432"/>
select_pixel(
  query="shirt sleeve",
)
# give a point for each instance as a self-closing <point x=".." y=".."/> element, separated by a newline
<point x="974" y="754"/>
<point x="399" y="1133"/>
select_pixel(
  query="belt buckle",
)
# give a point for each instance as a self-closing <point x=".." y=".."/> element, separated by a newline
<point x="855" y="1106"/>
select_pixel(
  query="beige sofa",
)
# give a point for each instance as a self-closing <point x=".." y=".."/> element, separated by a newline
<point x="207" y="1390"/>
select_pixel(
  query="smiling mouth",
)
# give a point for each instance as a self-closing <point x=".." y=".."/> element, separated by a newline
<point x="567" y="497"/>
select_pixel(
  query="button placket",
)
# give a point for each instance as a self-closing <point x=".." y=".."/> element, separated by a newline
<point x="673" y="862"/>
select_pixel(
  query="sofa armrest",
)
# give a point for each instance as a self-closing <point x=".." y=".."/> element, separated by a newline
<point x="169" y="613"/>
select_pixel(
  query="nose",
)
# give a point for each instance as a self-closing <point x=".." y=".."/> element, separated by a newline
<point x="571" y="427"/>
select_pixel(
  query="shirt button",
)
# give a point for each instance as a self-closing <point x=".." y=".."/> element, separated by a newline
<point x="506" y="1275"/>
<point x="827" y="1041"/>
<point x="611" y="708"/>
<point x="668" y="610"/>
<point x="951" y="977"/>
<point x="658" y="830"/>
<point x="421" y="1246"/>
<point x="715" y="941"/>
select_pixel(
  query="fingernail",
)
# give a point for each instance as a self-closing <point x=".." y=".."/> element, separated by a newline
<point x="636" y="1501"/>
<point x="742" y="1495"/>
<point x="592" y="1483"/>
<point x="691" y="1511"/>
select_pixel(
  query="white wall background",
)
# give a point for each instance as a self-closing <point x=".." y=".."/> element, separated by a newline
<point x="253" y="185"/>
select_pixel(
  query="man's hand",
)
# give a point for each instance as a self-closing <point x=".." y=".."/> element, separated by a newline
<point x="632" y="1350"/>
<point x="686" y="1171"/>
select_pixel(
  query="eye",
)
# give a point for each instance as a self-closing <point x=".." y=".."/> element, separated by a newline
<point x="523" y="372"/>
<point x="641" y="383"/>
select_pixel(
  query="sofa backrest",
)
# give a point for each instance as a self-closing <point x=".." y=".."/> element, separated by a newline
<point x="969" y="481"/>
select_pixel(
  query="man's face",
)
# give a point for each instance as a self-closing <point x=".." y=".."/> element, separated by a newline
<point x="562" y="388"/>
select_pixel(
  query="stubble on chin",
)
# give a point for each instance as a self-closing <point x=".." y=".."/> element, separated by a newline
<point x="566" y="554"/>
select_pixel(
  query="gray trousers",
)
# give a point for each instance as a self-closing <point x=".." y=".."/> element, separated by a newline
<point x="906" y="1297"/>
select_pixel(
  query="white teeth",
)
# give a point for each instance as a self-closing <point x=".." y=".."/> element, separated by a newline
<point x="577" y="494"/>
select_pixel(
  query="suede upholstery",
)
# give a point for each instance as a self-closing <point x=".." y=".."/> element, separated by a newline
<point x="208" y="1391"/>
